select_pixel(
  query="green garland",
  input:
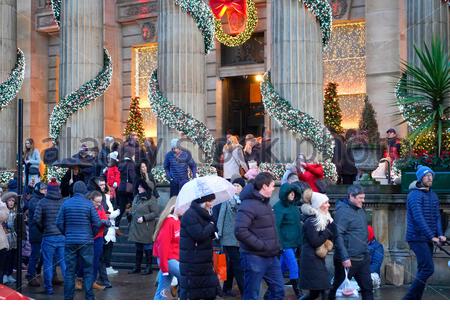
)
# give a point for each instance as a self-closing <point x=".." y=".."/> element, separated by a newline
<point x="12" y="85"/>
<point x="160" y="176"/>
<point x="324" y="15"/>
<point x="277" y="170"/>
<point x="56" y="8"/>
<point x="177" y="119"/>
<point x="5" y="177"/>
<point x="80" y="98"/>
<point x="296" y="121"/>
<point x="203" y="17"/>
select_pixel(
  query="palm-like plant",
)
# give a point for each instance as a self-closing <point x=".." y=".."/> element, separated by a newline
<point x="423" y="94"/>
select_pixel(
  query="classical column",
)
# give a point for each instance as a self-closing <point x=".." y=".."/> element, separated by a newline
<point x="8" y="54"/>
<point x="181" y="69"/>
<point x="384" y="41"/>
<point x="426" y="19"/>
<point x="81" y="61"/>
<point x="297" y="72"/>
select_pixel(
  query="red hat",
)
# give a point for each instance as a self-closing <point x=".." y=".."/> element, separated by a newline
<point x="371" y="233"/>
<point x="53" y="186"/>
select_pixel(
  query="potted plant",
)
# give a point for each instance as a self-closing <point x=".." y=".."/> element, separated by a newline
<point x="423" y="95"/>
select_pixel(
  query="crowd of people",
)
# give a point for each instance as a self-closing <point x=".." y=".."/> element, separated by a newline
<point x="74" y="224"/>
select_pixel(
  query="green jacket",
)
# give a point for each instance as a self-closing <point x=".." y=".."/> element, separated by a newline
<point x="287" y="216"/>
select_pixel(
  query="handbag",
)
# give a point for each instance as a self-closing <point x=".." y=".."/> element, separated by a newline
<point x="129" y="188"/>
<point x="220" y="265"/>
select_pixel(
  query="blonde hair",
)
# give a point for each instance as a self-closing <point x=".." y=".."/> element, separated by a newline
<point x="307" y="195"/>
<point x="169" y="209"/>
<point x="230" y="147"/>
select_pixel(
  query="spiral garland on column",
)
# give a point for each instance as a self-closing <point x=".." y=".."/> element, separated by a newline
<point x="82" y="97"/>
<point x="299" y="123"/>
<point x="324" y="15"/>
<point x="11" y="86"/>
<point x="203" y="17"/>
<point x="177" y="119"/>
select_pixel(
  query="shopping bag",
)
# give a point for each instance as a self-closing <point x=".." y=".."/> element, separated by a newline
<point x="347" y="289"/>
<point x="220" y="265"/>
<point x="395" y="274"/>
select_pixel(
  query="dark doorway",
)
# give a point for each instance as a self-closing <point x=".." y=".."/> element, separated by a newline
<point x="242" y="106"/>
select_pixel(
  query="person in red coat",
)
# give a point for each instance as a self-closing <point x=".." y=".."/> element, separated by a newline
<point x="166" y="249"/>
<point x="113" y="174"/>
<point x="309" y="172"/>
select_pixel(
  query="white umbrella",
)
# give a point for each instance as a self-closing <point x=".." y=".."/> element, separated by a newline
<point x="203" y="186"/>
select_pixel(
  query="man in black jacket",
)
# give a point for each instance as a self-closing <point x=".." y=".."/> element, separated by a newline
<point x="256" y="231"/>
<point x="352" y="251"/>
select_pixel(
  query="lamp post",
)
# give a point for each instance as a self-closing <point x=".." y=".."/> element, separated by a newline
<point x="19" y="216"/>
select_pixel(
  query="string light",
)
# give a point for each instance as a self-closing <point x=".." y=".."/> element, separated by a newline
<point x="6" y="176"/>
<point x="324" y="15"/>
<point x="11" y="86"/>
<point x="203" y="17"/>
<point x="239" y="39"/>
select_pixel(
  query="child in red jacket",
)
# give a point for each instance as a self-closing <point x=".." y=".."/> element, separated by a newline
<point x="167" y="249"/>
<point x="309" y="172"/>
<point x="113" y="174"/>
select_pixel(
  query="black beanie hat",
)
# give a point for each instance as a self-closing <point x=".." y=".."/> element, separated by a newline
<point x="209" y="197"/>
<point x="239" y="181"/>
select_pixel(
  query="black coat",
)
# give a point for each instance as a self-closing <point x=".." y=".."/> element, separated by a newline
<point x="255" y="226"/>
<point x="127" y="169"/>
<point x="313" y="271"/>
<point x="66" y="189"/>
<point x="198" y="280"/>
<point x="47" y="212"/>
<point x="35" y="235"/>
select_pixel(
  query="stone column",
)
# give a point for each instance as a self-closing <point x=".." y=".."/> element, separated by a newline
<point x="8" y="49"/>
<point x="181" y="70"/>
<point x="426" y="19"/>
<point x="383" y="53"/>
<point x="297" y="71"/>
<point x="81" y="61"/>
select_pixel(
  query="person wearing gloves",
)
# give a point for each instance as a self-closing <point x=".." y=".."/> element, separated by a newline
<point x="198" y="281"/>
<point x="287" y="217"/>
<point x="423" y="228"/>
<point x="230" y="245"/>
<point x="167" y="249"/>
<point x="318" y="237"/>
<point x="78" y="221"/>
<point x="177" y="163"/>
<point x="376" y="251"/>
<point x="144" y="215"/>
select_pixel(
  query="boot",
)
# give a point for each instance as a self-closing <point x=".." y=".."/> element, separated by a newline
<point x="34" y="283"/>
<point x="79" y="284"/>
<point x="96" y="286"/>
<point x="297" y="291"/>
<point x="148" y="257"/>
<point x="56" y="281"/>
<point x="137" y="266"/>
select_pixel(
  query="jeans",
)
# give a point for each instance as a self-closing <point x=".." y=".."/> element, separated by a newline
<point x="164" y="282"/>
<point x="71" y="254"/>
<point x="256" y="269"/>
<point x="288" y="258"/>
<point x="360" y="270"/>
<point x="234" y="269"/>
<point x="98" y="252"/>
<point x="425" y="269"/>
<point x="35" y="259"/>
<point x="53" y="254"/>
<point x="175" y="186"/>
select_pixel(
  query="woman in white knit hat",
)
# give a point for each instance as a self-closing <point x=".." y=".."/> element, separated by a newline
<point x="318" y="235"/>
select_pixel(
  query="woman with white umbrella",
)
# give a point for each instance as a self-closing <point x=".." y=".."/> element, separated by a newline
<point x="198" y="279"/>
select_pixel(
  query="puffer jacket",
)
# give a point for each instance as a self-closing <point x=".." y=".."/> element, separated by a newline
<point x="176" y="166"/>
<point x="255" y="226"/>
<point x="287" y="216"/>
<point x="46" y="213"/>
<point x="351" y="238"/>
<point x="376" y="251"/>
<point x="422" y="214"/>
<point x="35" y="235"/>
<point x="4" y="213"/>
<point x="198" y="279"/>
<point x="147" y="208"/>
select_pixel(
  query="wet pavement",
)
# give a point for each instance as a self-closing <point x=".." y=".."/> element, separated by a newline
<point x="142" y="287"/>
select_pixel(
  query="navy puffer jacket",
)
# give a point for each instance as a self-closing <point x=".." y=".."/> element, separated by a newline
<point x="422" y="214"/>
<point x="255" y="226"/>
<point x="176" y="166"/>
<point x="47" y="212"/>
<point x="35" y="235"/>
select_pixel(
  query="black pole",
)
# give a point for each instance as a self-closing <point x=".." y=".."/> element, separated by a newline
<point x="19" y="216"/>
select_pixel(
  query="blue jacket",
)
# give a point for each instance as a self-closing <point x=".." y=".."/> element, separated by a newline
<point x="78" y="220"/>
<point x="176" y="167"/>
<point x="376" y="251"/>
<point x="35" y="235"/>
<point x="422" y="214"/>
<point x="47" y="212"/>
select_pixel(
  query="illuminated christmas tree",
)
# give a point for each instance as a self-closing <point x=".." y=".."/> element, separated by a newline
<point x="135" y="122"/>
<point x="332" y="111"/>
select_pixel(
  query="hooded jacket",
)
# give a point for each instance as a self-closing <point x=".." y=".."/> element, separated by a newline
<point x="422" y="214"/>
<point x="226" y="222"/>
<point x="351" y="225"/>
<point x="47" y="212"/>
<point x="287" y="217"/>
<point x="255" y="226"/>
<point x="167" y="243"/>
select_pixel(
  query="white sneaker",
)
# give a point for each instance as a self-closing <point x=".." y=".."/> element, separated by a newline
<point x="5" y="279"/>
<point x="11" y="279"/>
<point x="110" y="271"/>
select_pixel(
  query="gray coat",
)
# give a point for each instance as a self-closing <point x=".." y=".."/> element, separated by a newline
<point x="351" y="238"/>
<point x="225" y="223"/>
<point x="149" y="210"/>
